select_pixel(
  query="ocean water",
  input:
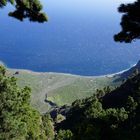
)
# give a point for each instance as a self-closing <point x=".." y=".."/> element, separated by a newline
<point x="77" y="39"/>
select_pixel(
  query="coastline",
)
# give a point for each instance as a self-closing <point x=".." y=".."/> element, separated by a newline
<point x="61" y="88"/>
<point x="67" y="74"/>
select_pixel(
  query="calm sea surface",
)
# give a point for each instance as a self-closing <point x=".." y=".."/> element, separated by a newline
<point x="78" y="39"/>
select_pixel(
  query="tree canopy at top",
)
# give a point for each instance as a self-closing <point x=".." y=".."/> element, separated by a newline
<point x="31" y="9"/>
<point x="130" y="22"/>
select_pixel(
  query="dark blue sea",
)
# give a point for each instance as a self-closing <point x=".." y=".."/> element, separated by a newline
<point x="77" y="39"/>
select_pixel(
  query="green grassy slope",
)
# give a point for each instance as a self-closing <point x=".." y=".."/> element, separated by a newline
<point x="59" y="88"/>
<point x="81" y="87"/>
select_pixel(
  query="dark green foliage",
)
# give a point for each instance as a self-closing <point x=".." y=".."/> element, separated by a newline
<point x="101" y="92"/>
<point x="48" y="126"/>
<point x="89" y="121"/>
<point x="18" y="120"/>
<point x="118" y="97"/>
<point x="96" y="119"/>
<point x="130" y="22"/>
<point x="64" y="135"/>
<point x="131" y="105"/>
<point x="30" y="9"/>
<point x="4" y="2"/>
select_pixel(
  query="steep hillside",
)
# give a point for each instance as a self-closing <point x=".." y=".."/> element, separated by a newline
<point x="118" y="97"/>
<point x="112" y="117"/>
<point x="130" y="72"/>
<point x="50" y="89"/>
<point x="60" y="88"/>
